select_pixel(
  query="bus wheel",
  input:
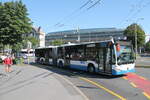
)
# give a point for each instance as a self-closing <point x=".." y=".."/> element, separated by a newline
<point x="42" y="62"/>
<point x="60" y="64"/>
<point x="91" y="69"/>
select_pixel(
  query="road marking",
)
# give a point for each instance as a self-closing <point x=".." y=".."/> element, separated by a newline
<point x="148" y="96"/>
<point x="133" y="84"/>
<point x="141" y="83"/>
<point x="102" y="87"/>
<point x="133" y="73"/>
<point x="125" y="78"/>
<point x="142" y="77"/>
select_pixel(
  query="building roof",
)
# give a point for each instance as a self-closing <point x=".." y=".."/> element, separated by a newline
<point x="38" y="30"/>
<point x="83" y="31"/>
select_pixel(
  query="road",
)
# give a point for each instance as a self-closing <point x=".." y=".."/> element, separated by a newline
<point x="143" y="61"/>
<point x="41" y="82"/>
<point x="28" y="82"/>
<point x="101" y="87"/>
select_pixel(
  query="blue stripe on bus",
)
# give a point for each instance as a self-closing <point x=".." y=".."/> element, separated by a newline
<point x="79" y="67"/>
<point x="114" y="72"/>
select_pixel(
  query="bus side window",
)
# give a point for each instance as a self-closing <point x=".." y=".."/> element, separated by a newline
<point x="75" y="56"/>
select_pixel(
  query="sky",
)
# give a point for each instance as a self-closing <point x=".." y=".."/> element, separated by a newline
<point x="60" y="15"/>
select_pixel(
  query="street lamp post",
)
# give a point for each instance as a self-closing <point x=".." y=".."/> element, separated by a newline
<point x="135" y="28"/>
<point x="78" y="34"/>
<point x="135" y="31"/>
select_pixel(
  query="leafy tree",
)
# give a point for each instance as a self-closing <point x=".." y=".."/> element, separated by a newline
<point x="13" y="22"/>
<point x="57" y="42"/>
<point x="16" y="48"/>
<point x="147" y="46"/>
<point x="1" y="35"/>
<point x="130" y="33"/>
<point x="34" y="41"/>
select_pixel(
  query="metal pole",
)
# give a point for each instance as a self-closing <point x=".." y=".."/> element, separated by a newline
<point x="135" y="40"/>
<point x="78" y="34"/>
<point x="61" y="37"/>
<point x="136" y="52"/>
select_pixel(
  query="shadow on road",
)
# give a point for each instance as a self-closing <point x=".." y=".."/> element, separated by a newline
<point x="75" y="73"/>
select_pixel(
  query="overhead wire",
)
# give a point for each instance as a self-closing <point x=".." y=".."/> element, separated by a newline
<point x="86" y="9"/>
<point x="79" y="11"/>
<point x="137" y="8"/>
<point x="73" y="12"/>
<point x="140" y="7"/>
<point x="131" y="11"/>
<point x="97" y="2"/>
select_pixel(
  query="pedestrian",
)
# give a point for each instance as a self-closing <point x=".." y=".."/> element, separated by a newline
<point x="8" y="62"/>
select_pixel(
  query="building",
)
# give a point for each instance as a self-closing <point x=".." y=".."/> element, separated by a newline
<point x="83" y="35"/>
<point x="39" y="35"/>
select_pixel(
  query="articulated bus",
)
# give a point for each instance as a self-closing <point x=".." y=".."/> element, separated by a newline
<point x="46" y="55"/>
<point x="106" y="57"/>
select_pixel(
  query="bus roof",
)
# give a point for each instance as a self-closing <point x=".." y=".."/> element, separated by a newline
<point x="47" y="47"/>
<point x="91" y="42"/>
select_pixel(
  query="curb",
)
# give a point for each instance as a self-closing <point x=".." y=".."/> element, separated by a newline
<point x="142" y="66"/>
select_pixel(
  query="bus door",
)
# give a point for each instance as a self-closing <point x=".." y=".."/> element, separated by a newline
<point x="104" y="60"/>
<point x="107" y="59"/>
<point x="100" y="59"/>
<point x="67" y="56"/>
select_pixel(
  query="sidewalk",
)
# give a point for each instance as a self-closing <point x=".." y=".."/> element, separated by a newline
<point x="27" y="82"/>
<point x="143" y="62"/>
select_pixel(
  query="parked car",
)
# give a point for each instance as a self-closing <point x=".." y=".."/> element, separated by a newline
<point x="24" y="56"/>
<point x="3" y="57"/>
<point x="1" y="60"/>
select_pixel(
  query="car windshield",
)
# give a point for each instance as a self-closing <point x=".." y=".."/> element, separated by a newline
<point x="125" y="55"/>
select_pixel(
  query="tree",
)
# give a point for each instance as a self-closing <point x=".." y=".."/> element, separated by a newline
<point x="57" y="42"/>
<point x="147" y="46"/>
<point x="34" y="41"/>
<point x="1" y="35"/>
<point x="130" y="33"/>
<point x="16" y="48"/>
<point x="13" y="22"/>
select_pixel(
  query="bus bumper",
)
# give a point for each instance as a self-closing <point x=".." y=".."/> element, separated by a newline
<point x="121" y="72"/>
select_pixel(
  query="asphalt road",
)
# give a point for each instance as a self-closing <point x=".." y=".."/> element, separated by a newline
<point x="142" y="61"/>
<point x="102" y="87"/>
<point x="93" y="86"/>
<point x="27" y="82"/>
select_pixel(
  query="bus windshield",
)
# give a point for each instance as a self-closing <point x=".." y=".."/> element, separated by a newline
<point x="125" y="55"/>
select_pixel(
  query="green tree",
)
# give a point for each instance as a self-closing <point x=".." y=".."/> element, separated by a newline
<point x="34" y="41"/>
<point x="147" y="46"/>
<point x="1" y="35"/>
<point x="14" y="22"/>
<point x="16" y="48"/>
<point x="57" y="42"/>
<point x="130" y="32"/>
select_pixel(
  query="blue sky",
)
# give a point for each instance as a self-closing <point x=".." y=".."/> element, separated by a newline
<point x="106" y="14"/>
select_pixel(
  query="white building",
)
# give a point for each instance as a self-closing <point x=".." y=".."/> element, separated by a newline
<point x="39" y="35"/>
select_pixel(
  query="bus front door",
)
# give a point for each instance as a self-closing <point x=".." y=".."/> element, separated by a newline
<point x="101" y="60"/>
<point x="107" y="59"/>
<point x="104" y="60"/>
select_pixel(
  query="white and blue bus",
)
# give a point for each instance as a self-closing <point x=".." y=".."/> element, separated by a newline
<point x="107" y="57"/>
<point x="25" y="53"/>
<point x="46" y="55"/>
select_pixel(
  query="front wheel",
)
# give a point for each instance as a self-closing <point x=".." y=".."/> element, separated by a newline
<point x="91" y="69"/>
<point x="60" y="64"/>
